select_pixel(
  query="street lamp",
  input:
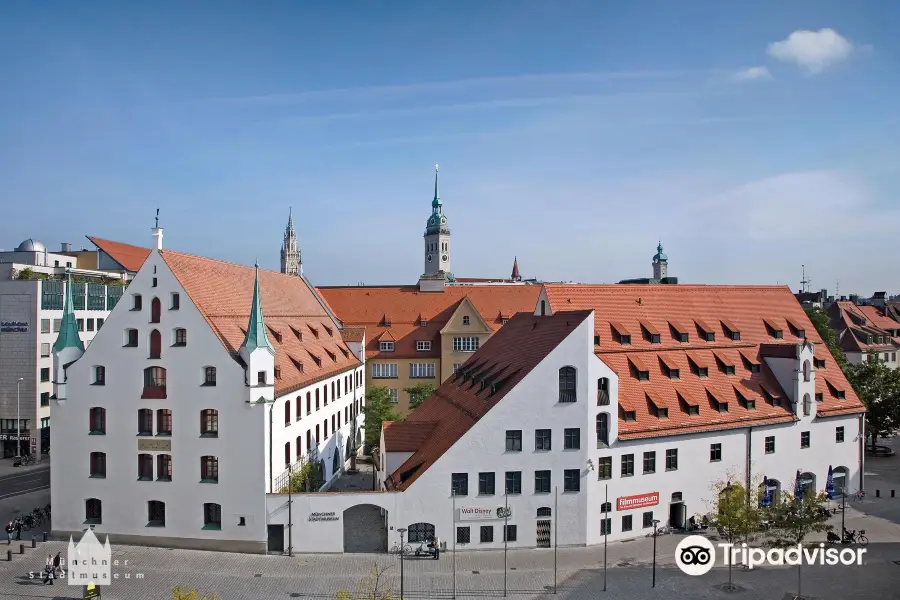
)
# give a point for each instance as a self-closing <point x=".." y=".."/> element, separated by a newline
<point x="655" y="523"/>
<point x="18" y="417"/>
<point x="401" y="531"/>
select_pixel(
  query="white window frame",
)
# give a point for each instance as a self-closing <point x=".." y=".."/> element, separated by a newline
<point x="45" y="349"/>
<point x="421" y="370"/>
<point x="385" y="346"/>
<point x="384" y="370"/>
<point x="456" y="366"/>
<point x="395" y="395"/>
<point x="465" y="344"/>
<point x="423" y="346"/>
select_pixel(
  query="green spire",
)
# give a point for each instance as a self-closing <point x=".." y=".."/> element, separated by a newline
<point x="437" y="197"/>
<point x="68" y="329"/>
<point x="256" y="328"/>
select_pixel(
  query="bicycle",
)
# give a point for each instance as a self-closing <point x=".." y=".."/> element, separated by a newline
<point x="396" y="549"/>
<point x="858" y="496"/>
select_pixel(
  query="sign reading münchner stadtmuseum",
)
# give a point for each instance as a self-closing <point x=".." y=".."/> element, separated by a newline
<point x="323" y="516"/>
<point x="467" y="513"/>
<point x="13" y="326"/>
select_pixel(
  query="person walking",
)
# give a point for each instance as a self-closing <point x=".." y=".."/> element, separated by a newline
<point x="437" y="547"/>
<point x="9" y="532"/>
<point x="18" y="530"/>
<point x="48" y="570"/>
<point x="57" y="563"/>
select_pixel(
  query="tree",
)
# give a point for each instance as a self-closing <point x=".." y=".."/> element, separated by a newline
<point x="298" y="479"/>
<point x="820" y="321"/>
<point x="736" y="516"/>
<point x="26" y="273"/>
<point x="878" y="386"/>
<point x="418" y="393"/>
<point x="379" y="408"/>
<point x="794" y="520"/>
<point x="374" y="586"/>
<point x="180" y="593"/>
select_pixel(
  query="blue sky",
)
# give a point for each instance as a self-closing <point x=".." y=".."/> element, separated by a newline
<point x="750" y="138"/>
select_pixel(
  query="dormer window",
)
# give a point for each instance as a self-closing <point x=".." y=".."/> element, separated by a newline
<point x="673" y="373"/>
<point x="621" y="334"/>
<point x="625" y="340"/>
<point x="385" y="346"/>
<point x="643" y="375"/>
<point x="640" y="370"/>
<point x="504" y="321"/>
<point x="820" y="397"/>
<point x="706" y="332"/>
<point x="702" y="372"/>
<point x="717" y="405"/>
<point x="731" y="331"/>
<point x="655" y="338"/>
<point x="277" y="373"/>
<point x="627" y="415"/>
<point x="796" y="330"/>
<point x="774" y="329"/>
<point x="688" y="406"/>
<point x="650" y="332"/>
<point x="841" y="394"/>
<point x="423" y="323"/>
<point x="819" y="363"/>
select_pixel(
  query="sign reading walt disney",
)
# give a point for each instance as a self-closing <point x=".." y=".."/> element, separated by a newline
<point x="484" y="514"/>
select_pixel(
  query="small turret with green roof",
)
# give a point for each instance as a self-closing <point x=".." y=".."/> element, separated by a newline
<point x="256" y="328"/>
<point x="68" y="329"/>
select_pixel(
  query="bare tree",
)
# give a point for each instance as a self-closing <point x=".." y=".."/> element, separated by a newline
<point x="374" y="586"/>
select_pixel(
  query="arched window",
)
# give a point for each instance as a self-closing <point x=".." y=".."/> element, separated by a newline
<point x="603" y="391"/>
<point x="841" y="476"/>
<point x="155" y="344"/>
<point x="567" y="384"/>
<point x="287" y="454"/>
<point x="317" y="398"/>
<point x="97" y="421"/>
<point x="155" y="310"/>
<point x="807" y="483"/>
<point x="163" y="421"/>
<point x="333" y="396"/>
<point x="544" y="511"/>
<point x="308" y="403"/>
<point x="287" y="412"/>
<point x="543" y="307"/>
<point x="420" y="532"/>
<point x="309" y="442"/>
<point x="154" y="383"/>
<point x="145" y="421"/>
<point x="93" y="511"/>
<point x="299" y="448"/>
<point x="209" y="423"/>
<point x="602" y="430"/>
<point x="807" y="405"/>
<point x="806" y="370"/>
<point x="209" y="376"/>
<point x="164" y="467"/>
<point x="299" y="409"/>
<point x="209" y="469"/>
<point x="156" y="514"/>
<point x="325" y="395"/>
<point x="145" y="467"/>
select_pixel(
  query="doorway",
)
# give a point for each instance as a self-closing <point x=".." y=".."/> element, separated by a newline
<point x="276" y="538"/>
<point x="676" y="515"/>
<point x="543" y="533"/>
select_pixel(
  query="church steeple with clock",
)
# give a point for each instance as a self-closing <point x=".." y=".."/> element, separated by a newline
<point x="437" y="239"/>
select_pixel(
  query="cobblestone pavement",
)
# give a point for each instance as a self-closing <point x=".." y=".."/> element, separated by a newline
<point x="529" y="573"/>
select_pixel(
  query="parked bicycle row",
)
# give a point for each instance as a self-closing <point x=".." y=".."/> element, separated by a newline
<point x="26" y="522"/>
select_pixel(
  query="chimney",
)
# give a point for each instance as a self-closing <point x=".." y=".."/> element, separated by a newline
<point x="66" y="247"/>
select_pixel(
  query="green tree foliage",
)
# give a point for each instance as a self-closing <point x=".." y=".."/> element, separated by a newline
<point x="374" y="586"/>
<point x="378" y="408"/>
<point x="418" y="393"/>
<point x="297" y="482"/>
<point x="26" y="273"/>
<point x="181" y="593"/>
<point x="735" y="514"/>
<point x="878" y="386"/>
<point x="829" y="336"/>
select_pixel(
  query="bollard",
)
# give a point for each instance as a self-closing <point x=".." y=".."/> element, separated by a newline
<point x="9" y="555"/>
<point x="33" y="541"/>
<point x="45" y="536"/>
<point x="892" y="493"/>
<point x="21" y="548"/>
<point x="878" y="493"/>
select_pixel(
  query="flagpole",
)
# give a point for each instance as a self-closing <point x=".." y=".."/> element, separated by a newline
<point x="555" y="532"/>
<point x="453" y="529"/>
<point x="505" y="535"/>
<point x="605" y="532"/>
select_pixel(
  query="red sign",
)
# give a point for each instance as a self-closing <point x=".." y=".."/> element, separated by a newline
<point x="638" y="501"/>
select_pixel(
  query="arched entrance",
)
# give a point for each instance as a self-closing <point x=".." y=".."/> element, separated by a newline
<point x="841" y="477"/>
<point x="807" y="484"/>
<point x="335" y="462"/>
<point x="365" y="529"/>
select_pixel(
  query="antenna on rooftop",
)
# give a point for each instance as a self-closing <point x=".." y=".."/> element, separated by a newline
<point x="804" y="282"/>
<point x="157" y="218"/>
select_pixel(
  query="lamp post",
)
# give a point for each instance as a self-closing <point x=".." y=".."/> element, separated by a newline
<point x="655" y="523"/>
<point x="290" y="510"/>
<point x="401" y="531"/>
<point x="18" y="418"/>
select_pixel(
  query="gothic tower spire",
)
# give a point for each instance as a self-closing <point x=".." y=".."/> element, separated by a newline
<point x="291" y="263"/>
<point x="437" y="239"/>
<point x="256" y="327"/>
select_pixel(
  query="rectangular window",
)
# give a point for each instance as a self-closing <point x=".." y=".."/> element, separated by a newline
<point x="542" y="439"/>
<point x="485" y="484"/>
<point x="51" y="295"/>
<point x="45" y="374"/>
<point x="605" y="526"/>
<point x="627" y="465"/>
<point x="572" y="439"/>
<point x="838" y="434"/>
<point x="163" y="467"/>
<point x="462" y="535"/>
<point x="394" y="393"/>
<point x="715" y="452"/>
<point x="384" y="370"/>
<point x="770" y="444"/>
<point x="804" y="439"/>
<point x="487" y="534"/>
<point x="626" y="523"/>
<point x="45" y="350"/>
<point x="137" y="302"/>
<point x="176" y="301"/>
<point x="90" y="324"/>
<point x="672" y="459"/>
<point x="57" y="324"/>
<point x="421" y="370"/>
<point x="542" y="482"/>
<point x="385" y="346"/>
<point x="45" y="398"/>
<point x="465" y="344"/>
<point x="604" y="467"/>
<point x="513" y="440"/>
<point x="514" y="482"/>
<point x="648" y="519"/>
<point x="45" y="325"/>
<point x="79" y="324"/>
<point x="572" y="480"/>
<point x="423" y="346"/>
<point x="649" y="462"/>
<point x="510" y="534"/>
<point x="100" y="323"/>
<point x="459" y="484"/>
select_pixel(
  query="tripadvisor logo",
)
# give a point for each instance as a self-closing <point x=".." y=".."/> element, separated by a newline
<point x="695" y="555"/>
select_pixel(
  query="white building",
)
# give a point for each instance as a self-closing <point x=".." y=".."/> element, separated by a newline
<point x="640" y="395"/>
<point x="191" y="404"/>
<point x="32" y="285"/>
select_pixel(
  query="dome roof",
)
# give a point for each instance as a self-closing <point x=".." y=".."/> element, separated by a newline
<point x="31" y="245"/>
<point x="660" y="256"/>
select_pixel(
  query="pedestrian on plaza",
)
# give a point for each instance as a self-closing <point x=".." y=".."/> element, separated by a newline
<point x="9" y="532"/>
<point x="48" y="573"/>
<point x="18" y="530"/>
<point x="437" y="547"/>
<point x="57" y="563"/>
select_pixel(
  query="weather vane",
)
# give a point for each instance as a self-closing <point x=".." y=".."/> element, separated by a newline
<point x="157" y="218"/>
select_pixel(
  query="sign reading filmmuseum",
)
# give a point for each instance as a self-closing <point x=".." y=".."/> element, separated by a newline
<point x="637" y="501"/>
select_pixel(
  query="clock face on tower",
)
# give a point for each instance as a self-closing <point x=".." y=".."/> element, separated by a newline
<point x="444" y="258"/>
<point x="428" y="258"/>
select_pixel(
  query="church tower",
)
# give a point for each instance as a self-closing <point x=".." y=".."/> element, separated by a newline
<point x="660" y="263"/>
<point x="437" y="239"/>
<point x="291" y="264"/>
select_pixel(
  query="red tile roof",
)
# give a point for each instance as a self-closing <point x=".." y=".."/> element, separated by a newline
<point x="746" y="309"/>
<point x="855" y="326"/>
<point x="406" y="306"/>
<point x="404" y="436"/>
<point x="310" y="346"/>
<point x="877" y="318"/>
<point x="461" y="401"/>
<point x="130" y="257"/>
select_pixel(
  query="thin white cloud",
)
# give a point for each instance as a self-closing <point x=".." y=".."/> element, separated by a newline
<point x="813" y="50"/>
<point x="752" y="74"/>
<point x="473" y="83"/>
